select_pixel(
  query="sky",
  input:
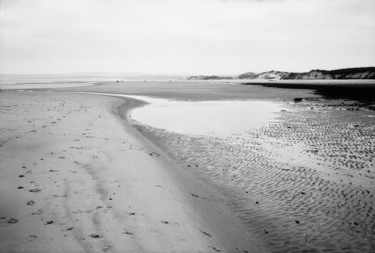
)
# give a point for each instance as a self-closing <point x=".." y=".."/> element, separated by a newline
<point x="222" y="37"/>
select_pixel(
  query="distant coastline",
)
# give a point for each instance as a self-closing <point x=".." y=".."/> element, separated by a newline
<point x="316" y="74"/>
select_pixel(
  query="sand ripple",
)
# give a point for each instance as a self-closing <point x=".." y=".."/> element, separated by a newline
<point x="305" y="183"/>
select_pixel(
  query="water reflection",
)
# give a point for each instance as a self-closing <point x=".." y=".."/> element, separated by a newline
<point x="206" y="118"/>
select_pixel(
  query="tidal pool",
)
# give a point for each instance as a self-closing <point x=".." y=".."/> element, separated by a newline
<point x="205" y="118"/>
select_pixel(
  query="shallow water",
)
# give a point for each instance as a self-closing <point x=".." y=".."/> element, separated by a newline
<point x="206" y="118"/>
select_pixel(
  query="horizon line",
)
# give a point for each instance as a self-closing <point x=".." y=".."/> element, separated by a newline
<point x="167" y="74"/>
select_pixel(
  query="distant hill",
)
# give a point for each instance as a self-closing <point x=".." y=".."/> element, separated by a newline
<point x="210" y="77"/>
<point x="351" y="73"/>
<point x="316" y="74"/>
<point x="248" y="75"/>
<point x="274" y="75"/>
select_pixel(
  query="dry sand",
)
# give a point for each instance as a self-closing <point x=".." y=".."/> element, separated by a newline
<point x="75" y="177"/>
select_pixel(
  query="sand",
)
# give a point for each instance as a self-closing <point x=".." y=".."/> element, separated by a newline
<point x="302" y="183"/>
<point x="76" y="177"/>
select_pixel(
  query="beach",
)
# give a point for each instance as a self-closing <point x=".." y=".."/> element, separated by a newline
<point x="80" y="174"/>
<point x="303" y="183"/>
<point x="76" y="177"/>
<point x="187" y="126"/>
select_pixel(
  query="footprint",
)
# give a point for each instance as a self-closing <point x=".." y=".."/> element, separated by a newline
<point x="214" y="248"/>
<point x="96" y="236"/>
<point x="194" y="195"/>
<point x="205" y="233"/>
<point x="12" y="221"/>
<point x="154" y="154"/>
<point x="127" y="233"/>
<point x="35" y="190"/>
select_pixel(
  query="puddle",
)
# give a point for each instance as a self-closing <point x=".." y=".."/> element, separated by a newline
<point x="206" y="118"/>
<point x="218" y="118"/>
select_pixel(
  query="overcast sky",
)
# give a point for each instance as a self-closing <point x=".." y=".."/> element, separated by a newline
<point x="185" y="36"/>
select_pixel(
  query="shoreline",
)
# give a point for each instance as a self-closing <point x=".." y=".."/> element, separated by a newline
<point x="98" y="190"/>
<point x="284" y="195"/>
<point x="45" y="86"/>
<point x="203" y="198"/>
<point x="359" y="90"/>
<point x="313" y="167"/>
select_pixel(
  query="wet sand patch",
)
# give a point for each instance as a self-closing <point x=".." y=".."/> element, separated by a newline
<point x="305" y="182"/>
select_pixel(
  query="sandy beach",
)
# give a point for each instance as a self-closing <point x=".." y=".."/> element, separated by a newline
<point x="79" y="175"/>
<point x="76" y="177"/>
<point x="187" y="126"/>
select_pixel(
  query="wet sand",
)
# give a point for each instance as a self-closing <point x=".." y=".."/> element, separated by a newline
<point x="359" y="90"/>
<point x="303" y="183"/>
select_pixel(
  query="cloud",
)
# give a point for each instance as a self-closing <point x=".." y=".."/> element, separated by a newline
<point x="201" y="36"/>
